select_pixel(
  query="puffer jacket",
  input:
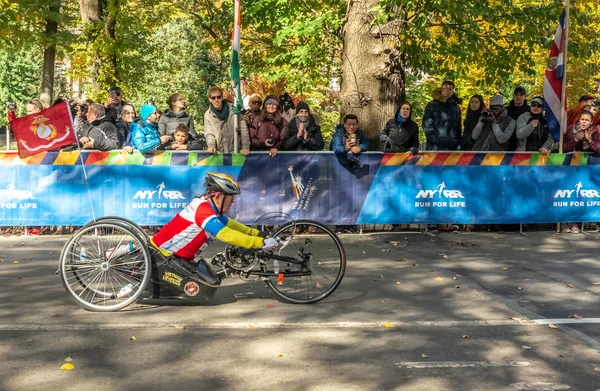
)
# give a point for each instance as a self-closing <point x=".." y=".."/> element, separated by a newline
<point x="442" y="124"/>
<point x="101" y="130"/>
<point x="219" y="134"/>
<point x="292" y="143"/>
<point x="145" y="137"/>
<point x="169" y="120"/>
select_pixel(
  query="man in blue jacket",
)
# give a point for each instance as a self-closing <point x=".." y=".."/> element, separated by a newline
<point x="348" y="140"/>
<point x="144" y="134"/>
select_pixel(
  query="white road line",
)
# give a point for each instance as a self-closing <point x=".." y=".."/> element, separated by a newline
<point x="460" y="364"/>
<point x="291" y="325"/>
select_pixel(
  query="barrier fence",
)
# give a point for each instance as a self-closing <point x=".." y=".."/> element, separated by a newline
<point x="431" y="188"/>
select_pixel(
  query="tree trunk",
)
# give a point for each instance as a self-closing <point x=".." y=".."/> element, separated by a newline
<point x="371" y="65"/>
<point x="91" y="15"/>
<point x="109" y="29"/>
<point x="47" y="88"/>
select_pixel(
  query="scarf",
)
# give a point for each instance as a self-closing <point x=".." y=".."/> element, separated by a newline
<point x="223" y="115"/>
<point x="584" y="141"/>
<point x="298" y="122"/>
<point x="502" y="116"/>
<point x="400" y="119"/>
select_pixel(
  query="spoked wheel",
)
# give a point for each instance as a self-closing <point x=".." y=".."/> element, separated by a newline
<point x="105" y="266"/>
<point x="322" y="268"/>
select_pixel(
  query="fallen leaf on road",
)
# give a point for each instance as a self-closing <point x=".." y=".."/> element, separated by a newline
<point x="16" y="262"/>
<point x="552" y="326"/>
<point x="415" y="264"/>
<point x="394" y="243"/>
<point x="19" y="278"/>
<point x="179" y="326"/>
<point x="575" y="316"/>
<point x="443" y="256"/>
<point x="402" y="260"/>
<point x="1" y="260"/>
<point x="571" y="285"/>
<point x="520" y="288"/>
<point x="68" y="359"/>
<point x="504" y="268"/>
<point x="280" y="355"/>
<point x="424" y="355"/>
<point x="526" y="347"/>
<point x="597" y="369"/>
<point x="457" y="286"/>
<point x="439" y="279"/>
<point x="517" y="318"/>
<point x="133" y="338"/>
<point x="465" y="336"/>
<point x="561" y="355"/>
<point x="385" y="250"/>
<point x="388" y="325"/>
<point x="596" y="283"/>
<point x="270" y="305"/>
<point x="364" y="252"/>
<point x="67" y="367"/>
<point x="398" y="282"/>
<point x="381" y="275"/>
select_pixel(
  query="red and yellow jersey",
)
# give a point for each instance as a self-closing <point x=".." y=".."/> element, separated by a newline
<point x="197" y="225"/>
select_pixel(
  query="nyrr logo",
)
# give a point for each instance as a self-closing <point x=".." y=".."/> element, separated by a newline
<point x="440" y="192"/>
<point x="435" y="198"/>
<point x="577" y="197"/>
<point x="161" y="193"/>
<point x="579" y="192"/>
<point x="11" y="193"/>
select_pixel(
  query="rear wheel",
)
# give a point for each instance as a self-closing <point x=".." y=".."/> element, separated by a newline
<point x="322" y="267"/>
<point x="105" y="266"/>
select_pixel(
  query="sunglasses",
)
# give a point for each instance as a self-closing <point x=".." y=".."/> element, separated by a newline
<point x="537" y="105"/>
<point x="216" y="97"/>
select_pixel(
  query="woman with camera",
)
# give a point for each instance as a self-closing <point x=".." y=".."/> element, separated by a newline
<point x="494" y="129"/>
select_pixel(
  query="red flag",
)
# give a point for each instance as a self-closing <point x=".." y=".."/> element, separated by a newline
<point x="49" y="129"/>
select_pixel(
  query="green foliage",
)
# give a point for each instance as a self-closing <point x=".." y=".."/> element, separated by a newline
<point x="20" y="72"/>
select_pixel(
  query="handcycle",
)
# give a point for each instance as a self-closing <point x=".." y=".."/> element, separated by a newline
<point x="109" y="263"/>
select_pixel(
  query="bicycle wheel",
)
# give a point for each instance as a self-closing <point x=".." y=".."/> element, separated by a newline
<point x="321" y="267"/>
<point x="123" y="221"/>
<point x="105" y="266"/>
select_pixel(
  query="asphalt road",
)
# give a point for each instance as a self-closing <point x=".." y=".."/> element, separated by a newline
<point x="470" y="312"/>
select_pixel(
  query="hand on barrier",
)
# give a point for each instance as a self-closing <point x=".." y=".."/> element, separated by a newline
<point x="269" y="244"/>
<point x="414" y="150"/>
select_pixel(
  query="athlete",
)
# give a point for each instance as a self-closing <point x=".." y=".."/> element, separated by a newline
<point x="201" y="221"/>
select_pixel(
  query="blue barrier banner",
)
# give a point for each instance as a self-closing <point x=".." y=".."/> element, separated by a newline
<point x="465" y="188"/>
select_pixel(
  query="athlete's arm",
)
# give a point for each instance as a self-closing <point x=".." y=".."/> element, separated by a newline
<point x="224" y="233"/>
<point x="233" y="224"/>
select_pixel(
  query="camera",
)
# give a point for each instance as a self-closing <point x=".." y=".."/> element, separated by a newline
<point x="11" y="106"/>
<point x="83" y="108"/>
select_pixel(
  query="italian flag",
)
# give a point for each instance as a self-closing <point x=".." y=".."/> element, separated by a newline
<point x="235" y="59"/>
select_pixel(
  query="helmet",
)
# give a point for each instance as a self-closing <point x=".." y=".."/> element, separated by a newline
<point x="222" y="183"/>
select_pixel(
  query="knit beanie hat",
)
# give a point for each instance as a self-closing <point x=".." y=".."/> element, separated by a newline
<point x="302" y="106"/>
<point x="497" y="101"/>
<point x="146" y="111"/>
<point x="271" y="100"/>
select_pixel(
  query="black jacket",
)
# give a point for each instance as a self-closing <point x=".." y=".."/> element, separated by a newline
<point x="442" y="124"/>
<point x="402" y="136"/>
<point x="293" y="143"/>
<point x="515" y="112"/>
<point x="101" y="130"/>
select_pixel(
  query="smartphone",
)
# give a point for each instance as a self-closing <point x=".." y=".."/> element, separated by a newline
<point x="352" y="138"/>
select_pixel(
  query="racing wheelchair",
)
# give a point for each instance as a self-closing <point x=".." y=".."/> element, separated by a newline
<point x="109" y="264"/>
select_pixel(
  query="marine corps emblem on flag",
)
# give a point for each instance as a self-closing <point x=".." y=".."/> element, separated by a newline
<point x="49" y="129"/>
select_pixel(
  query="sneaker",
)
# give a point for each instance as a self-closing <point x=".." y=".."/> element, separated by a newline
<point x="575" y="229"/>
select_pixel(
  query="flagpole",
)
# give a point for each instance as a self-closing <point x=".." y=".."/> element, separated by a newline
<point x="235" y="72"/>
<point x="563" y="98"/>
<point x="87" y="182"/>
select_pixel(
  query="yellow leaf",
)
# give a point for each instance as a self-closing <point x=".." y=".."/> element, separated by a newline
<point x="596" y="283"/>
<point x="424" y="356"/>
<point x="571" y="285"/>
<point x="133" y="338"/>
<point x="16" y="262"/>
<point x="67" y="367"/>
<point x="280" y="355"/>
<point x="388" y="325"/>
<point x="439" y="279"/>
<point x="398" y="282"/>
<point x="552" y="326"/>
<point x="179" y="326"/>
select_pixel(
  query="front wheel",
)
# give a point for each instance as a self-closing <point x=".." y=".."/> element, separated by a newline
<point x="321" y="267"/>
